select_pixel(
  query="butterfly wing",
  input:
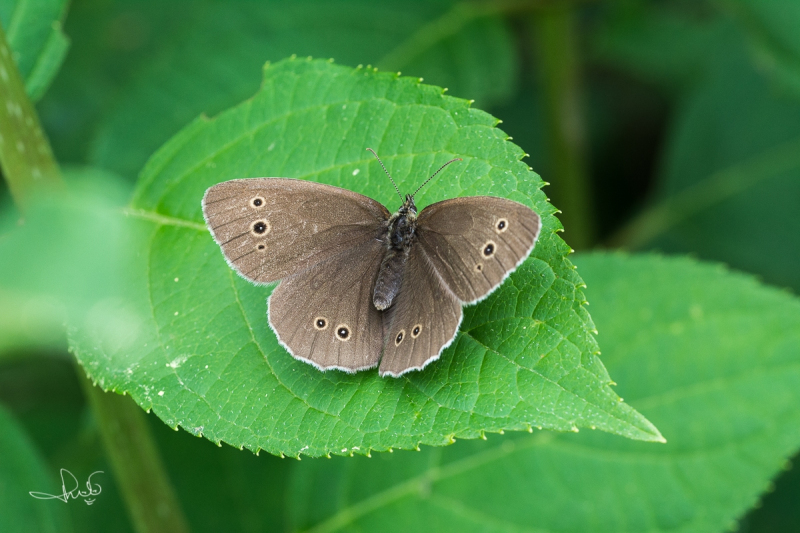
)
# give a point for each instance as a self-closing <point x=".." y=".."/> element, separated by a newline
<point x="474" y="243"/>
<point x="422" y="321"/>
<point x="271" y="228"/>
<point x="324" y="314"/>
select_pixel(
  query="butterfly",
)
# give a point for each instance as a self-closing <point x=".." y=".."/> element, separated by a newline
<point x="360" y="286"/>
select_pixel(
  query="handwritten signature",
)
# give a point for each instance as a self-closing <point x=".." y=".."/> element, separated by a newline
<point x="75" y="492"/>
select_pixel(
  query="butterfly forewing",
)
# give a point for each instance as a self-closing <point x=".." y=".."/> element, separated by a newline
<point x="475" y="242"/>
<point x="422" y="321"/>
<point x="271" y="228"/>
<point x="324" y="315"/>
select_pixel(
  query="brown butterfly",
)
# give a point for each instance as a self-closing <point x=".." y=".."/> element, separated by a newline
<point x="359" y="285"/>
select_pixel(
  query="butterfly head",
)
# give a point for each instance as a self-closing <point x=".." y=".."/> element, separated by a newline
<point x="408" y="208"/>
<point x="408" y="204"/>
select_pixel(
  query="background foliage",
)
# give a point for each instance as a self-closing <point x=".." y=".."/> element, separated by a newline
<point x="662" y="125"/>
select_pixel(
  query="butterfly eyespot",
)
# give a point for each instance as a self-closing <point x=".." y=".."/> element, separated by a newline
<point x="479" y="267"/>
<point x="416" y="331"/>
<point x="343" y="332"/>
<point x="501" y="225"/>
<point x="260" y="227"/>
<point x="489" y="249"/>
<point x="257" y="201"/>
<point x="399" y="338"/>
<point x="321" y="323"/>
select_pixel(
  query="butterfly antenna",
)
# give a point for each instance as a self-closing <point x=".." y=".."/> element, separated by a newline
<point x="387" y="173"/>
<point x="440" y="169"/>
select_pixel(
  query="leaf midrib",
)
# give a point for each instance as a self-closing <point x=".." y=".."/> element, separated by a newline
<point x="430" y="475"/>
<point x="559" y="444"/>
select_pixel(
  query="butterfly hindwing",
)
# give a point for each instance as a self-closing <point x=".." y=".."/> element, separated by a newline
<point x="271" y="228"/>
<point x="324" y="315"/>
<point x="475" y="242"/>
<point x="422" y="321"/>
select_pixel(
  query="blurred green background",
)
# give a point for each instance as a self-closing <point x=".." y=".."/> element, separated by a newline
<point x="661" y="125"/>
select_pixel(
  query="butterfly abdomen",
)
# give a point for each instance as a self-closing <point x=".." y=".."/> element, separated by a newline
<point x="400" y="232"/>
<point x="390" y="278"/>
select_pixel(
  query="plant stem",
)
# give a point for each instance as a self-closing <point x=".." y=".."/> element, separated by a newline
<point x="25" y="154"/>
<point x="138" y="469"/>
<point x="29" y="168"/>
<point x="555" y="40"/>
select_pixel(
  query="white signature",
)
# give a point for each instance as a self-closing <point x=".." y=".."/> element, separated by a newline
<point x="73" y="493"/>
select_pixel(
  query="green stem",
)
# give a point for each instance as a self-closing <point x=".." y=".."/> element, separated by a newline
<point x="716" y="188"/>
<point x="555" y="39"/>
<point x="29" y="168"/>
<point x="25" y="154"/>
<point x="138" y="469"/>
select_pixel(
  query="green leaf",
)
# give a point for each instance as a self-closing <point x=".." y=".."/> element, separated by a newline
<point x="211" y="60"/>
<point x="33" y="31"/>
<point x="728" y="187"/>
<point x="655" y="44"/>
<point x="737" y="141"/>
<point x="23" y="470"/>
<point x="206" y="358"/>
<point x="711" y="356"/>
<point x="53" y="269"/>
<point x="772" y="26"/>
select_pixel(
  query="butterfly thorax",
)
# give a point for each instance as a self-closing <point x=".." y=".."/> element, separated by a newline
<point x="400" y="232"/>
<point x="402" y="226"/>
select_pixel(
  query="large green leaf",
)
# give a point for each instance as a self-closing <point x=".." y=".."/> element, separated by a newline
<point x="23" y="470"/>
<point x="205" y="358"/>
<point x="33" y="31"/>
<point x="729" y="187"/>
<point x="735" y="152"/>
<point x="711" y="356"/>
<point x="772" y="26"/>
